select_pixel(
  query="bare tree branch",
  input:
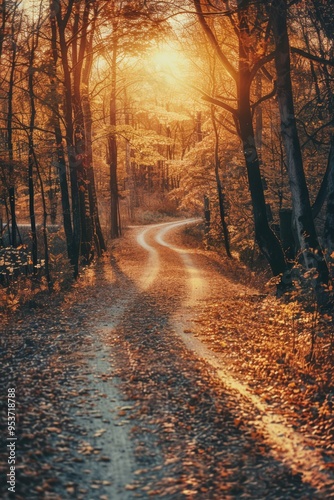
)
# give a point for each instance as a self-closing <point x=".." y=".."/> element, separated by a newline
<point x="312" y="57"/>
<point x="207" y="30"/>
<point x="264" y="98"/>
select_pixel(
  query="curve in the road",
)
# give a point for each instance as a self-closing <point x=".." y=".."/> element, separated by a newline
<point x="152" y="265"/>
<point x="287" y="444"/>
<point x="196" y="282"/>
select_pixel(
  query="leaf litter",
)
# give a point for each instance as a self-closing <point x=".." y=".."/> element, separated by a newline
<point x="191" y="437"/>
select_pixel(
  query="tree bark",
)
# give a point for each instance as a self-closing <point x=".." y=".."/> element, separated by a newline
<point x="302" y="212"/>
<point x="115" y="230"/>
<point x="74" y="161"/>
<point x="9" y="128"/>
<point x="87" y="121"/>
<point x="329" y="222"/>
<point x="31" y="163"/>
<point x="79" y="45"/>
<point x="220" y="187"/>
<point x="266" y="239"/>
<point x="61" y="160"/>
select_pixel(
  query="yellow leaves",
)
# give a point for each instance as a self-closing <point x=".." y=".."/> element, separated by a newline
<point x="12" y="301"/>
<point x="168" y="427"/>
<point x="275" y="280"/>
<point x="86" y="448"/>
<point x="188" y="493"/>
<point x="139" y="472"/>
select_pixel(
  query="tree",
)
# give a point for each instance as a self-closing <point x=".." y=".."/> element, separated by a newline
<point x="32" y="47"/>
<point x="220" y="192"/>
<point x="242" y="116"/>
<point x="13" y="18"/>
<point x="55" y="122"/>
<point x="302" y="213"/>
<point x="132" y="26"/>
<point x="73" y="52"/>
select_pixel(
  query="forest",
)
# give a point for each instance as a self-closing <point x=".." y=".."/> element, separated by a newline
<point x="114" y="111"/>
<point x="168" y="168"/>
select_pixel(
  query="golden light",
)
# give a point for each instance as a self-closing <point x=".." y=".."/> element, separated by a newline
<point x="169" y="59"/>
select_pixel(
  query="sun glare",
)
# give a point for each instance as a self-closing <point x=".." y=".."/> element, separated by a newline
<point x="168" y="60"/>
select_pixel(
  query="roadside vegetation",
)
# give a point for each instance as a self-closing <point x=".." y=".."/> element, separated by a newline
<point x="121" y="113"/>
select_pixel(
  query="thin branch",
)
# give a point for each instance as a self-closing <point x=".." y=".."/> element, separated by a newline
<point x="264" y="98"/>
<point x="217" y="102"/>
<point x="259" y="65"/>
<point x="267" y="74"/>
<point x="311" y="137"/>
<point x="213" y="40"/>
<point x="312" y="57"/>
<point x="322" y="193"/>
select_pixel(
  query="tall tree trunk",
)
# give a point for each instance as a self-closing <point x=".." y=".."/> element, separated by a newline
<point x="220" y="187"/>
<point x="130" y="168"/>
<point x="31" y="151"/>
<point x="32" y="215"/>
<point x="93" y="205"/>
<point x="9" y="127"/>
<point x="302" y="213"/>
<point x="60" y="152"/>
<point x="74" y="160"/>
<point x="44" y="225"/>
<point x="115" y="230"/>
<point x="266" y="239"/>
<point x="329" y="222"/>
<point x="65" y="198"/>
<point x="88" y="121"/>
<point x="79" y="45"/>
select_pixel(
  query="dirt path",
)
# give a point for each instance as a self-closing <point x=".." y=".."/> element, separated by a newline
<point x="287" y="445"/>
<point x="118" y="399"/>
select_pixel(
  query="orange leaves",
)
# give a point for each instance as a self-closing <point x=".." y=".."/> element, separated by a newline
<point x="55" y="430"/>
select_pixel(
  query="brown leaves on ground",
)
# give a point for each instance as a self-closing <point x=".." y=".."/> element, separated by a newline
<point x="191" y="437"/>
<point x="265" y="343"/>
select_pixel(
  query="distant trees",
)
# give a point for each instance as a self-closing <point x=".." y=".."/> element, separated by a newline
<point x="10" y="40"/>
<point x="131" y="26"/>
<point x="51" y="110"/>
<point x="88" y="117"/>
<point x="57" y="103"/>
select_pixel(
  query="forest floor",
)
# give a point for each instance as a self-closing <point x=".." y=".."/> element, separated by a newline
<point x="167" y="372"/>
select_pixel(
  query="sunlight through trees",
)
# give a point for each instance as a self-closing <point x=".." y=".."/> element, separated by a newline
<point x="118" y="112"/>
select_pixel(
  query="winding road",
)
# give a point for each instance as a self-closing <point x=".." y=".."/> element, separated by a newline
<point x="286" y="444"/>
<point x="147" y="409"/>
<point x="170" y="273"/>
